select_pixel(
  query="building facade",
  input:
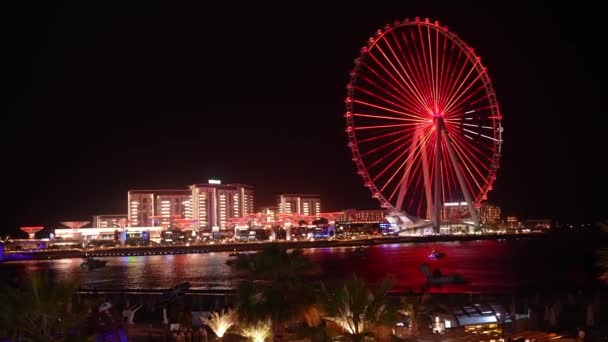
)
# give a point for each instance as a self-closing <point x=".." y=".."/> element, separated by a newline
<point x="303" y="204"/>
<point x="489" y="214"/>
<point x="268" y="214"/>
<point x="153" y="208"/>
<point x="214" y="204"/>
<point x="362" y="215"/>
<point x="110" y="221"/>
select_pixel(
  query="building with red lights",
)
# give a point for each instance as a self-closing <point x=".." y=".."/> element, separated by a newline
<point x="362" y="216"/>
<point x="109" y="221"/>
<point x="303" y="204"/>
<point x="489" y="214"/>
<point x="149" y="208"/>
<point x="214" y="204"/>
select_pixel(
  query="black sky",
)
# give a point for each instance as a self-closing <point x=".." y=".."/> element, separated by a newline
<point x="107" y="98"/>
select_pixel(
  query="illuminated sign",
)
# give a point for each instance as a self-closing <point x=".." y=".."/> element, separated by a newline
<point x="215" y="181"/>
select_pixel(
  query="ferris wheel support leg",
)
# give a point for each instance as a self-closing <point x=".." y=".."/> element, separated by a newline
<point x="427" y="182"/>
<point x="406" y="174"/>
<point x="465" y="190"/>
<point x="437" y="182"/>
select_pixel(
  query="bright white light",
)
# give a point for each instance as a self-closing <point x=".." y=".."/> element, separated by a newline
<point x="454" y="204"/>
<point x="215" y="181"/>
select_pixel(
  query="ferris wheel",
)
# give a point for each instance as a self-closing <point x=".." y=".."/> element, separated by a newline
<point x="422" y="120"/>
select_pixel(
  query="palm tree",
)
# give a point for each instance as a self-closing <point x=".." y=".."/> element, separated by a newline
<point x="221" y="321"/>
<point x="356" y="308"/>
<point x="257" y="332"/>
<point x="41" y="311"/>
<point x="275" y="290"/>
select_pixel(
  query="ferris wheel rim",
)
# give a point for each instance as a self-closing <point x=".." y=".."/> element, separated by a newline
<point x="480" y="69"/>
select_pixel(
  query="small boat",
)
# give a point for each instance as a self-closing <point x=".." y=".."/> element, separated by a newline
<point x="92" y="263"/>
<point x="436" y="255"/>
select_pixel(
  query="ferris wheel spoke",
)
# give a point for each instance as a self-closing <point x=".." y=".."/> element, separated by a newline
<point x="423" y="74"/>
<point x="376" y="137"/>
<point x="416" y="65"/>
<point x="386" y="109"/>
<point x="416" y="94"/>
<point x="454" y="80"/>
<point x="436" y="70"/>
<point x="410" y="78"/>
<point x="471" y="150"/>
<point x="464" y="166"/>
<point x="406" y="93"/>
<point x="414" y="151"/>
<point x="413" y="72"/>
<point x="440" y="80"/>
<point x="385" y="126"/>
<point x="450" y="83"/>
<point x="373" y="164"/>
<point x="426" y="65"/>
<point x="375" y="178"/>
<point x="466" y="161"/>
<point x="381" y="117"/>
<point x="457" y="94"/>
<point x="455" y="107"/>
<point x="391" y="142"/>
<point x="395" y="105"/>
<point x="465" y="91"/>
<point x="411" y="169"/>
<point x="433" y="66"/>
<point x="406" y="150"/>
<point x="405" y="101"/>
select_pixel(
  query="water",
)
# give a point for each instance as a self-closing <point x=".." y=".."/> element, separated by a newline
<point x="490" y="266"/>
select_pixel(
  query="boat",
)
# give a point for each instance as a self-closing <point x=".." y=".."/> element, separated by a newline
<point x="436" y="255"/>
<point x="92" y="263"/>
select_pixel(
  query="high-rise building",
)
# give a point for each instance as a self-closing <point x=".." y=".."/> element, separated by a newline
<point x="454" y="211"/>
<point x="513" y="222"/>
<point x="109" y="221"/>
<point x="303" y="204"/>
<point x="268" y="214"/>
<point x="362" y="215"/>
<point x="149" y="208"/>
<point x="489" y="213"/>
<point x="214" y="204"/>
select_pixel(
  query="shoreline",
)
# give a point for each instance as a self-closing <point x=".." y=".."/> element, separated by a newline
<point x="251" y="246"/>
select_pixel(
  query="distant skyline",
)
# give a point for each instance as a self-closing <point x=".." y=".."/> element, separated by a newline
<point x="109" y="99"/>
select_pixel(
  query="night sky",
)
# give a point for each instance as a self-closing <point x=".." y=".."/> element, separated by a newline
<point x="106" y="98"/>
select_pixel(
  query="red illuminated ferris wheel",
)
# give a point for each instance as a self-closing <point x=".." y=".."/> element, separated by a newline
<point x="423" y="121"/>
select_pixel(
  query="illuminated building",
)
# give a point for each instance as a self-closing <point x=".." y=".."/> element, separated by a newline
<point x="454" y="211"/>
<point x="158" y="207"/>
<point x="87" y="234"/>
<point x="489" y="213"/>
<point x="513" y="222"/>
<point x="214" y="204"/>
<point x="303" y="204"/>
<point x="109" y="221"/>
<point x="362" y="216"/>
<point x="269" y="214"/>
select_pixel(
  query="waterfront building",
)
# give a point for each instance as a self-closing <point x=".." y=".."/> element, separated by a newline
<point x="302" y="204"/>
<point x="489" y="214"/>
<point x="109" y="221"/>
<point x="215" y="204"/>
<point x="158" y="207"/>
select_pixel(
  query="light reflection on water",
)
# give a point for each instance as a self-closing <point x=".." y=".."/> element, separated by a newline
<point x="490" y="266"/>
